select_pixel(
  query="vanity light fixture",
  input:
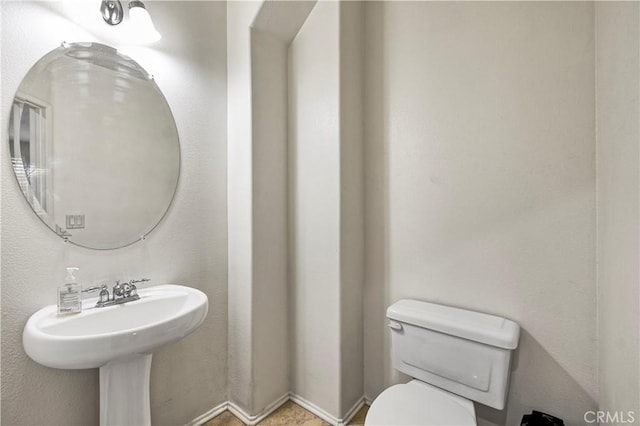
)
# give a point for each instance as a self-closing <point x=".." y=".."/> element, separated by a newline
<point x="140" y="23"/>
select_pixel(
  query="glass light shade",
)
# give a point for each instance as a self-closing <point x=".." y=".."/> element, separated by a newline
<point x="141" y="26"/>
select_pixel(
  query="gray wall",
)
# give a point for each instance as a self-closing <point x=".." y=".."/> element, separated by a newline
<point x="480" y="160"/>
<point x="189" y="247"/>
<point x="618" y="136"/>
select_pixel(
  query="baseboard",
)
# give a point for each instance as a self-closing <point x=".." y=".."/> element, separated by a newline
<point x="368" y="400"/>
<point x="253" y="420"/>
<point x="215" y="411"/>
<point x="352" y="412"/>
<point x="250" y="420"/>
<point x="310" y="406"/>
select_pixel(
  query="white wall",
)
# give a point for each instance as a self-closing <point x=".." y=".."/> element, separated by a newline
<point x="479" y="143"/>
<point x="326" y="254"/>
<point x="258" y="36"/>
<point x="314" y="202"/>
<point x="618" y="136"/>
<point x="240" y="170"/>
<point x="189" y="246"/>
<point x="270" y="298"/>
<point x="480" y="192"/>
<point x="351" y="205"/>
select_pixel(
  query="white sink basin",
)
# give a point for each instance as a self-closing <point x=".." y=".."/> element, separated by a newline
<point x="119" y="340"/>
<point x="96" y="336"/>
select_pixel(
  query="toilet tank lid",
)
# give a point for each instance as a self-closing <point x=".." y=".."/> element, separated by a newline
<point x="479" y="327"/>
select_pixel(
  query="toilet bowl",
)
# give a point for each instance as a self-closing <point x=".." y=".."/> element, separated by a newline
<point x="419" y="403"/>
<point x="455" y="356"/>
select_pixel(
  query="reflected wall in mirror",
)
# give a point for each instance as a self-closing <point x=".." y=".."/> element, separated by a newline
<point x="94" y="146"/>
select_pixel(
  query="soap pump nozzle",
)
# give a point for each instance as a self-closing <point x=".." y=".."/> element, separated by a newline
<point x="71" y="279"/>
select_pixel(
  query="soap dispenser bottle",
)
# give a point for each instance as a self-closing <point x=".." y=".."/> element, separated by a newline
<point x="70" y="295"/>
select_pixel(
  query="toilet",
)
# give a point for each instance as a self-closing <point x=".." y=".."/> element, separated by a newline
<point x="454" y="356"/>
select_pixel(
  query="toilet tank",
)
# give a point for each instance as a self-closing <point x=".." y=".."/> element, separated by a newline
<point x="464" y="352"/>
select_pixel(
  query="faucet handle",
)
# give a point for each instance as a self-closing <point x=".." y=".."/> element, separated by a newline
<point x="104" y="294"/>
<point x="141" y="280"/>
<point x="118" y="290"/>
<point x="102" y="289"/>
<point x="126" y="289"/>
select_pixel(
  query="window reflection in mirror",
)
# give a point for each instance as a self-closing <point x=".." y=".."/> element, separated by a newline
<point x="28" y="135"/>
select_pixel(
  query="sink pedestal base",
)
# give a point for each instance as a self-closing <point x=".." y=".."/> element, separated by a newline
<point x="124" y="392"/>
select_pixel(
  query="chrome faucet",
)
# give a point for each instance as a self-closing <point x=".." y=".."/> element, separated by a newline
<point x="118" y="290"/>
<point x="121" y="293"/>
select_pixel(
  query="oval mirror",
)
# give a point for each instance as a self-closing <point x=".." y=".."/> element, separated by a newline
<point x="94" y="146"/>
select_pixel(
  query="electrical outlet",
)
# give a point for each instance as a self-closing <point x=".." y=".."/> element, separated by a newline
<point x="75" y="221"/>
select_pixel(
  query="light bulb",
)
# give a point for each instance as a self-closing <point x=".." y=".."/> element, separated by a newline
<point x="141" y="25"/>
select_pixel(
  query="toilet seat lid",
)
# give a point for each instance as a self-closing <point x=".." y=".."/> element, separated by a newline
<point x="418" y="403"/>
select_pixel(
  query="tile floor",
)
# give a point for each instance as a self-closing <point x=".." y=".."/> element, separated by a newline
<point x="289" y="414"/>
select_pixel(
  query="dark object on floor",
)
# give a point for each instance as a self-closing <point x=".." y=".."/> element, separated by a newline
<point x="536" y="418"/>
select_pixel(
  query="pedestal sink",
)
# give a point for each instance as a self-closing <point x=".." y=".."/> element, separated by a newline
<point x="119" y="340"/>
